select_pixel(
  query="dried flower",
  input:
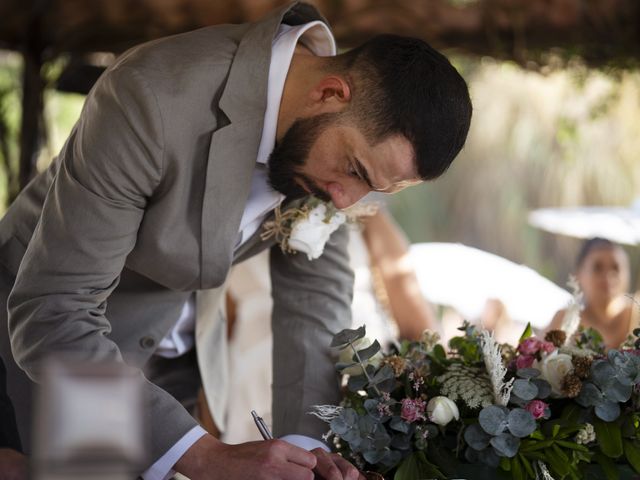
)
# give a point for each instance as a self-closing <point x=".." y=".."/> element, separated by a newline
<point x="557" y="337"/>
<point x="398" y="364"/>
<point x="582" y="366"/>
<point x="571" y="385"/>
<point x="508" y="353"/>
<point x="496" y="369"/>
<point x="430" y="339"/>
<point x="571" y="320"/>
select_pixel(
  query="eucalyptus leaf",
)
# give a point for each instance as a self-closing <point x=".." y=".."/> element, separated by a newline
<point x="391" y="458"/>
<point x="385" y="373"/>
<point x="544" y="388"/>
<point x="602" y="373"/>
<point x="356" y="383"/>
<point x="505" y="445"/>
<point x="352" y="436"/>
<point x="343" y="365"/>
<point x="401" y="441"/>
<point x="373" y="456"/>
<point x="590" y="395"/>
<point x="366" y="353"/>
<point x="493" y="419"/>
<point x="528" y="372"/>
<point x="490" y="457"/>
<point x="367" y="425"/>
<point x="617" y="392"/>
<point x="607" y="411"/>
<point x="516" y="400"/>
<point x="521" y="423"/>
<point x="339" y="426"/>
<point x="371" y="406"/>
<point x="476" y="437"/>
<point x="346" y="336"/>
<point x="525" y="389"/>
<point x="381" y="439"/>
<point x="399" y="425"/>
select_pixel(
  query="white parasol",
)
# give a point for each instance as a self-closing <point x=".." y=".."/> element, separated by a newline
<point x="465" y="278"/>
<point x="618" y="224"/>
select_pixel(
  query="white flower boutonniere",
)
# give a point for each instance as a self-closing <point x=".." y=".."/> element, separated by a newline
<point x="306" y="228"/>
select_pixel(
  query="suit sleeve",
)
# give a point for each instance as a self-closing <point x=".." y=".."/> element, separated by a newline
<point x="106" y="176"/>
<point x="311" y="302"/>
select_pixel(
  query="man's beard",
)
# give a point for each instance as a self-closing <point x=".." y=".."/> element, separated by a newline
<point x="291" y="154"/>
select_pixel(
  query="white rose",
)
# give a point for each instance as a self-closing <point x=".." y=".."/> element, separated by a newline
<point x="309" y="235"/>
<point x="346" y="356"/>
<point x="441" y="410"/>
<point x="553" y="368"/>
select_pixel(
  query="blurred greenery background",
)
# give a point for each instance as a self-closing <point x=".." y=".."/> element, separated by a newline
<point x="560" y="135"/>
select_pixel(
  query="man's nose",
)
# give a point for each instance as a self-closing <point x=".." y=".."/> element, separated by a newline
<point x="343" y="197"/>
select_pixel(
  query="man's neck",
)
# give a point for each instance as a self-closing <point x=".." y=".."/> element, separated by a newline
<point x="303" y="70"/>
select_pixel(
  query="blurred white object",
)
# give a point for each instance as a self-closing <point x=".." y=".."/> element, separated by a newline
<point x="621" y="225"/>
<point x="89" y="422"/>
<point x="465" y="278"/>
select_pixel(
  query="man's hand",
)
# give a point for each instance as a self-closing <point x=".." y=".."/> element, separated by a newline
<point x="209" y="458"/>
<point x="331" y="466"/>
<point x="13" y="465"/>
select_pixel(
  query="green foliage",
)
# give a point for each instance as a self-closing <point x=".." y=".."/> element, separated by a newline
<point x="417" y="466"/>
<point x="609" y="438"/>
<point x="528" y="332"/>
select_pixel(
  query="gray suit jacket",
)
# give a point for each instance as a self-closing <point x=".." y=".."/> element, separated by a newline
<point x="142" y="207"/>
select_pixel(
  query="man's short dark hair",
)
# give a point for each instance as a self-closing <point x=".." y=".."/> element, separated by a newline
<point x="403" y="86"/>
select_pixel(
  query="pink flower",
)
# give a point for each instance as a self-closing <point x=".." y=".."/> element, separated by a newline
<point x="533" y="345"/>
<point x="529" y="346"/>
<point x="547" y="346"/>
<point x="525" y="361"/>
<point x="412" y="410"/>
<point x="537" y="408"/>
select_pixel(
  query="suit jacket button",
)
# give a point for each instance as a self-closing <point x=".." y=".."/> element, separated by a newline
<point x="147" y="342"/>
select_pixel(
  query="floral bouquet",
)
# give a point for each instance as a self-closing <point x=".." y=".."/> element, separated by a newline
<point x="552" y="408"/>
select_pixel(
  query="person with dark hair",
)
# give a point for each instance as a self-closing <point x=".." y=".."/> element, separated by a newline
<point x="602" y="272"/>
<point x="185" y="147"/>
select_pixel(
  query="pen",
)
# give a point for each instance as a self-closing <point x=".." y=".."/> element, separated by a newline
<point x="262" y="427"/>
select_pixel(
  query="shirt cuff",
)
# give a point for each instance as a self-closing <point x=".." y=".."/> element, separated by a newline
<point x="307" y="443"/>
<point x="162" y="469"/>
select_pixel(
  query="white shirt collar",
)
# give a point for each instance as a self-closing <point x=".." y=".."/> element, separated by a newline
<point x="317" y="37"/>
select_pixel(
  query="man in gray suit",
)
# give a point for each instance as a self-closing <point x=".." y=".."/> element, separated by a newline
<point x="120" y="250"/>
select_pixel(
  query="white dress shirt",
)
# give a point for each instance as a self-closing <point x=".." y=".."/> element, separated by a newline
<point x="317" y="37"/>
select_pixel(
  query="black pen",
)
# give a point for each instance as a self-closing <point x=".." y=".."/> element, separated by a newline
<point x="262" y="427"/>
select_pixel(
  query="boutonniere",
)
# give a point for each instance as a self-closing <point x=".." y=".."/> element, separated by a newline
<point x="307" y="228"/>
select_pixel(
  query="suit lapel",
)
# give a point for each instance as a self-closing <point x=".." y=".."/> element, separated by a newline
<point x="234" y="148"/>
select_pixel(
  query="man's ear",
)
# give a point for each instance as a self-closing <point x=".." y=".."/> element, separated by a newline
<point x="331" y="94"/>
